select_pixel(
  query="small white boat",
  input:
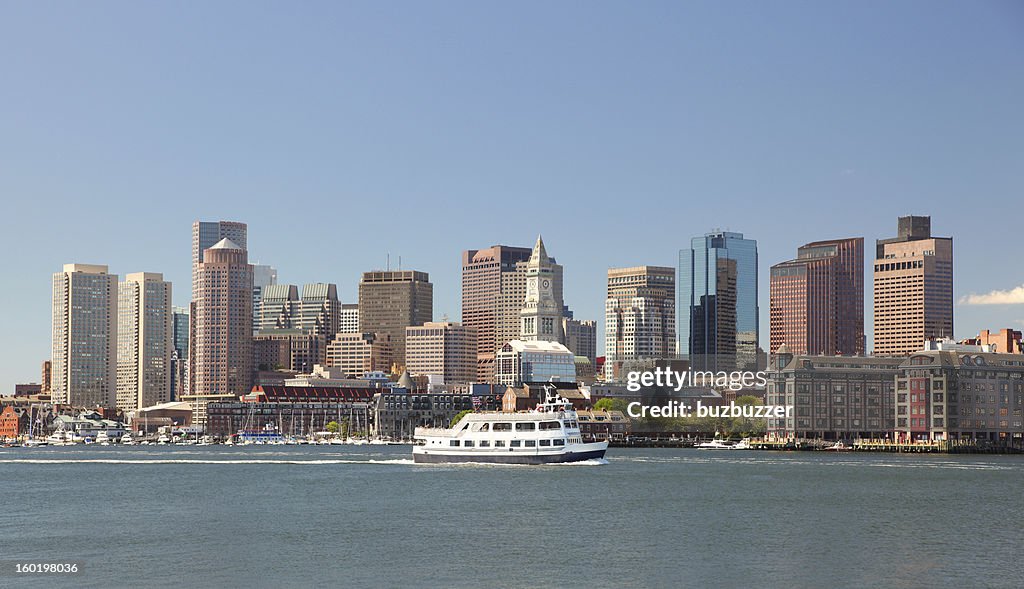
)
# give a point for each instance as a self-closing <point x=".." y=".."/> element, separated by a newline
<point x="163" y="439"/>
<point x="717" y="444"/>
<point x="127" y="440"/>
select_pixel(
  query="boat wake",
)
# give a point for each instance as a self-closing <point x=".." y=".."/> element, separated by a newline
<point x="314" y="462"/>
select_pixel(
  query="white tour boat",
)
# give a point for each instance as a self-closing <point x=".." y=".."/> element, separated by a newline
<point x="720" y="444"/>
<point x="548" y="434"/>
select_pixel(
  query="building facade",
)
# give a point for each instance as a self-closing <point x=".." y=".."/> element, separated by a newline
<point x="717" y="306"/>
<point x="581" y="337"/>
<point x="639" y="317"/>
<point x="221" y="357"/>
<point x="293" y="350"/>
<point x="145" y="341"/>
<point x="817" y="300"/>
<point x="84" y="351"/>
<point x="358" y="353"/>
<point x="391" y="300"/>
<point x="179" y="362"/>
<point x="320" y="310"/>
<point x="348" y="321"/>
<point x="279" y="308"/>
<point x="952" y="395"/>
<point x="913" y="288"/>
<point x="446" y="349"/>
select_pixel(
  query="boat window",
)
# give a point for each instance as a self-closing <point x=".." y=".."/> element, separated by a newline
<point x="482" y="427"/>
<point x="468" y="443"/>
<point x="484" y="444"/>
<point x="526" y="427"/>
<point x="499" y="443"/>
<point x="453" y="443"/>
<point x="558" y="442"/>
<point x="531" y="443"/>
<point x="568" y="423"/>
<point x="545" y="442"/>
<point x="514" y="443"/>
<point x="550" y="425"/>
<point x="503" y="427"/>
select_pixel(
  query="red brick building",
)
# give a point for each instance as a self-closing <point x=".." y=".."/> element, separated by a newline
<point x="9" y="419"/>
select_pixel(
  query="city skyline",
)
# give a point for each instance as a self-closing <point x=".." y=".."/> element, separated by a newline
<point x="840" y="143"/>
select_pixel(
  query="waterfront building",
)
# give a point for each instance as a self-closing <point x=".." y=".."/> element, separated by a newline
<point x="348" y="318"/>
<point x="10" y="420"/>
<point x="444" y="349"/>
<point x="603" y="425"/>
<point x="833" y="397"/>
<point x="639" y="317"/>
<point x="221" y="357"/>
<point x="581" y="337"/>
<point x="293" y="411"/>
<point x="950" y="395"/>
<point x="262" y="277"/>
<point x="521" y="362"/>
<point x="358" y="353"/>
<point x="27" y="389"/>
<point x="399" y="411"/>
<point x="84" y="352"/>
<point x="541" y="314"/>
<point x="205" y="234"/>
<point x="390" y="301"/>
<point x="717" y="306"/>
<point x="913" y="288"/>
<point x="145" y="341"/>
<point x="817" y="299"/>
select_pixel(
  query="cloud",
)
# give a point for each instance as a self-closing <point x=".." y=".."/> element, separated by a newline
<point x="1014" y="296"/>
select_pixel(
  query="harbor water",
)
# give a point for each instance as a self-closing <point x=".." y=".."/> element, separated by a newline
<point x="366" y="516"/>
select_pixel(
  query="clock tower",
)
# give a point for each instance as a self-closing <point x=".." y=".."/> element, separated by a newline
<point x="541" y="317"/>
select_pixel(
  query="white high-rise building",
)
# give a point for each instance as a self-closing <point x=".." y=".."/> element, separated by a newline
<point x="145" y="342"/>
<point x="84" y="353"/>
<point x="349" y="318"/>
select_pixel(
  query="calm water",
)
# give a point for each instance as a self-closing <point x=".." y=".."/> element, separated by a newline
<point x="296" y="516"/>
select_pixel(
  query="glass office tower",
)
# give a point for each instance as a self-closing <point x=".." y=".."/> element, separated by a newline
<point x="717" y="309"/>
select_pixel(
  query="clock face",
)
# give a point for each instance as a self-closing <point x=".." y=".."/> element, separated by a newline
<point x="545" y="284"/>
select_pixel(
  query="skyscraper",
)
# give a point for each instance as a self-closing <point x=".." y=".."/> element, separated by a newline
<point x="581" y="337"/>
<point x="320" y="310"/>
<point x="262" y="277"/>
<point x="390" y="301"/>
<point x="222" y="350"/>
<point x="279" y="307"/>
<point x="84" y="354"/>
<point x="639" y="317"/>
<point x="541" y="315"/>
<point x="817" y="300"/>
<point x="207" y="233"/>
<point x="717" y="307"/>
<point x="179" y="364"/>
<point x="145" y="341"/>
<point x="485" y="287"/>
<point x="913" y="288"/>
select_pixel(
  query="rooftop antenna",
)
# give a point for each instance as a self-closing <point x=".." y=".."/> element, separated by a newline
<point x="388" y="266"/>
<point x="399" y="263"/>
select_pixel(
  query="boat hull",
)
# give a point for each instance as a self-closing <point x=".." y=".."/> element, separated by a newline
<point x="441" y="457"/>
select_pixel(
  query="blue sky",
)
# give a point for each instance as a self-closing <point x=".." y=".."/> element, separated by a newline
<point x="343" y="131"/>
